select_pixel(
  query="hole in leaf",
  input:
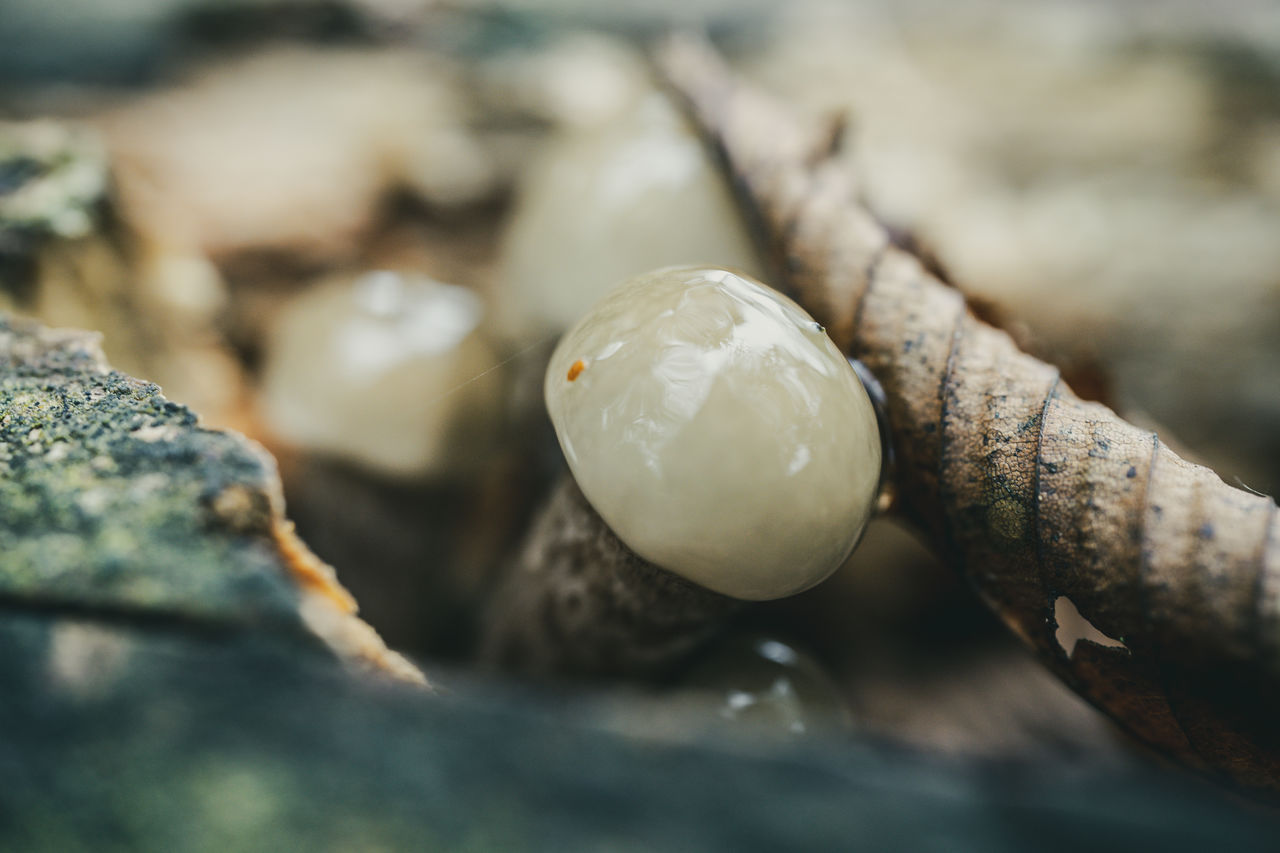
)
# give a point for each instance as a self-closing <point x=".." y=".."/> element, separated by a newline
<point x="1072" y="628"/>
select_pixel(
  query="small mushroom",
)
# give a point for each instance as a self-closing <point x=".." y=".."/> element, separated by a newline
<point x="390" y="371"/>
<point x="723" y="450"/>
<point x="621" y="198"/>
<point x="718" y="431"/>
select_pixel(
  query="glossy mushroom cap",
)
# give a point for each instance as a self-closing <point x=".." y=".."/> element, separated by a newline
<point x="636" y="193"/>
<point x="717" y="429"/>
<point x="389" y="371"/>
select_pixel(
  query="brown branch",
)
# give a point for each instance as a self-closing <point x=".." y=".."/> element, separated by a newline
<point x="1032" y="493"/>
<point x="578" y="602"/>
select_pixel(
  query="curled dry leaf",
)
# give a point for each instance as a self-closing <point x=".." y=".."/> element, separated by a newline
<point x="1034" y="494"/>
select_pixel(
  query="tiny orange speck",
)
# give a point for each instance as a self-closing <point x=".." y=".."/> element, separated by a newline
<point x="576" y="370"/>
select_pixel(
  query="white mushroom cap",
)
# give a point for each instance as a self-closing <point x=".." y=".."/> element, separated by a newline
<point x="717" y="430"/>
<point x="620" y="199"/>
<point x="390" y="371"/>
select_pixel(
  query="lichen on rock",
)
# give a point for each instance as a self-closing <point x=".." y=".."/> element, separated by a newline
<point x="115" y="501"/>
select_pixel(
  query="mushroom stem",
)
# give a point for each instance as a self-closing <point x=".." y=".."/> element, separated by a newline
<point x="578" y="602"/>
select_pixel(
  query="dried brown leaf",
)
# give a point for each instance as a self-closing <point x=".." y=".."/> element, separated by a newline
<point x="1031" y="492"/>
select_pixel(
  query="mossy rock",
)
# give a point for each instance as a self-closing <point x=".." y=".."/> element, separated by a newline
<point x="116" y="501"/>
